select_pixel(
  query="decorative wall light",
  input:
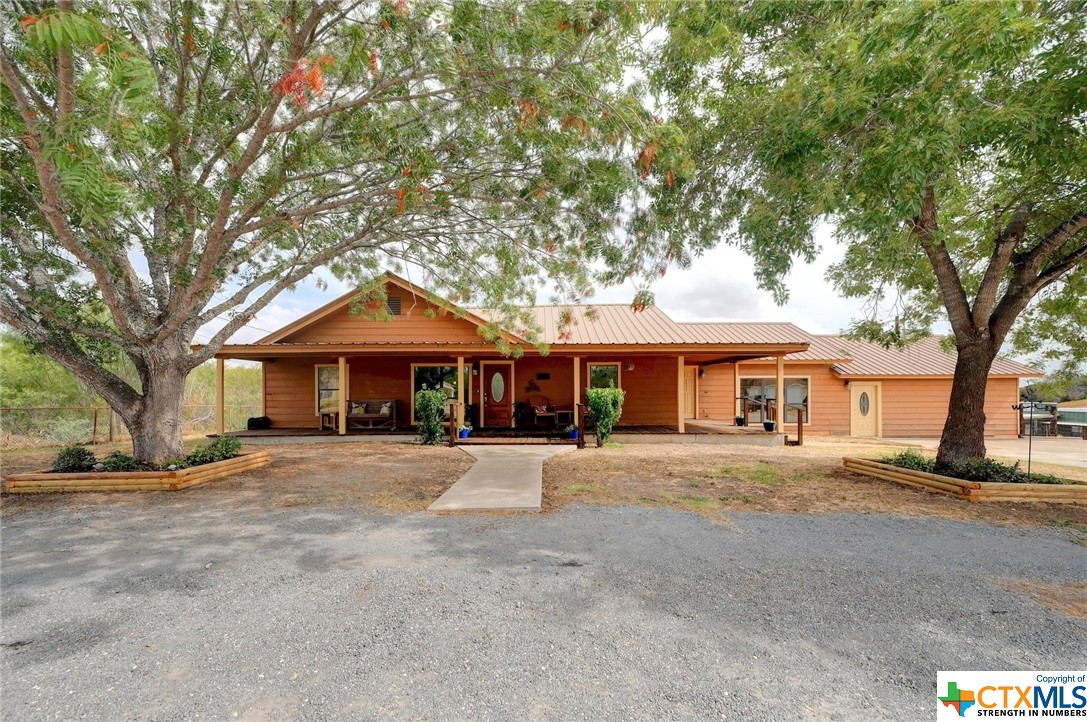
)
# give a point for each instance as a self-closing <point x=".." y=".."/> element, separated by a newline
<point x="701" y="373"/>
<point x="630" y="365"/>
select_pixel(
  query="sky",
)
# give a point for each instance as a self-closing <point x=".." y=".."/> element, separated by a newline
<point x="717" y="287"/>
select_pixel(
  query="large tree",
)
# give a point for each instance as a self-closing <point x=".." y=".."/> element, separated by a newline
<point x="171" y="163"/>
<point x="946" y="142"/>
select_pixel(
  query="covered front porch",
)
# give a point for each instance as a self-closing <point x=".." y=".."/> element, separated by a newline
<point x="370" y="392"/>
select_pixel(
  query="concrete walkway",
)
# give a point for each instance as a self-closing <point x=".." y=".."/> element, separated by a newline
<point x="504" y="477"/>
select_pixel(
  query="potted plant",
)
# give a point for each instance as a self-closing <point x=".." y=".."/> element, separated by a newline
<point x="571" y="431"/>
<point x="464" y="429"/>
<point x="740" y="421"/>
<point x="769" y="425"/>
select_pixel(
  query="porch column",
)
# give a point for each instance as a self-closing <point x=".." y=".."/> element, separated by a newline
<point x="736" y="390"/>
<point x="779" y="403"/>
<point x="460" y="392"/>
<point x="220" y="415"/>
<point x="679" y="394"/>
<point x="343" y="396"/>
<point x="577" y="387"/>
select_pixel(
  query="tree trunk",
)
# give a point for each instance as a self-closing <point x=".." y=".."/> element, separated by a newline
<point x="155" y="424"/>
<point x="964" y="431"/>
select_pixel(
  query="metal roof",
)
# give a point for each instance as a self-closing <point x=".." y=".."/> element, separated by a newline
<point x="619" y="324"/>
<point x="926" y="357"/>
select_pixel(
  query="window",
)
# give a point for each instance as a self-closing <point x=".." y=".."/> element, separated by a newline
<point x="761" y="390"/>
<point x="439" y="377"/>
<point x="604" y="376"/>
<point x="328" y="388"/>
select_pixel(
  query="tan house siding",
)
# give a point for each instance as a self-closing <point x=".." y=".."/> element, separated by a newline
<point x="717" y="393"/>
<point x="413" y="325"/>
<point x="917" y="407"/>
<point x="289" y="393"/>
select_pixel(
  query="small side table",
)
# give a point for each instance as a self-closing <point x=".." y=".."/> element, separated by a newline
<point x="330" y="420"/>
<point x="563" y="417"/>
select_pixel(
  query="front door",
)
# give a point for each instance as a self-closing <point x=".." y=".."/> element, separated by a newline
<point x="689" y="382"/>
<point x="864" y="410"/>
<point x="497" y="388"/>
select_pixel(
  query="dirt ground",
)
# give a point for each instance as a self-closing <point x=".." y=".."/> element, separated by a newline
<point x="808" y="480"/>
<point x="702" y="478"/>
<point x="364" y="475"/>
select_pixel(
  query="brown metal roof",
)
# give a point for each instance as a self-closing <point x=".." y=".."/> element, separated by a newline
<point x="922" y="358"/>
<point x="619" y="324"/>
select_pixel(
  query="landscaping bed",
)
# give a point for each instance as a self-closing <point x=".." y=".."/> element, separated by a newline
<point x="176" y="480"/>
<point x="911" y="469"/>
<point x="77" y="469"/>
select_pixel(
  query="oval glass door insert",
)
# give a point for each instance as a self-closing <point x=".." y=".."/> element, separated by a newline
<point x="498" y="387"/>
<point x="864" y="403"/>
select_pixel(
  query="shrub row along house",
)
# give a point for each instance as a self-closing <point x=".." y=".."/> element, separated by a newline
<point x="349" y="372"/>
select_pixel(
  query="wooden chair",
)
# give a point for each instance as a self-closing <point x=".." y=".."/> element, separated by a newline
<point x="541" y="409"/>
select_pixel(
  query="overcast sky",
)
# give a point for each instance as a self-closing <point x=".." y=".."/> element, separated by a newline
<point x="717" y="287"/>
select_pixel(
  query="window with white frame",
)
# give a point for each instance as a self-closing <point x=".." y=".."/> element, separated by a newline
<point x="328" y="388"/>
<point x="763" y="389"/>
<point x="604" y="376"/>
<point x="439" y="377"/>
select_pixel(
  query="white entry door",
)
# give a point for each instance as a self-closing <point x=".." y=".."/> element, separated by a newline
<point x="864" y="414"/>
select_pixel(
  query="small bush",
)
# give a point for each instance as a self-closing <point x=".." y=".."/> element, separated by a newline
<point x="119" y="462"/>
<point x="429" y="410"/>
<point x="74" y="458"/>
<point x="989" y="470"/>
<point x="911" y="459"/>
<point x="973" y="469"/>
<point x="225" y="447"/>
<point x="605" y="407"/>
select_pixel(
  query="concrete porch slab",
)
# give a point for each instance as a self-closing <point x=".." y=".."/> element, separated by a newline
<point x="503" y="477"/>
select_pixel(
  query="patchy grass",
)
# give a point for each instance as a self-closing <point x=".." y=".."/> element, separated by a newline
<point x="1070" y="599"/>
<point x="808" y="480"/>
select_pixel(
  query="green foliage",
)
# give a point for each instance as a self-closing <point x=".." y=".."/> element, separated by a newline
<point x="224" y="447"/>
<point x="973" y="469"/>
<point x="429" y="412"/>
<point x="848" y="113"/>
<point x="910" y="459"/>
<point x="118" y="461"/>
<point x="1056" y="387"/>
<point x="605" y="409"/>
<point x="74" y="459"/>
<point x="30" y="379"/>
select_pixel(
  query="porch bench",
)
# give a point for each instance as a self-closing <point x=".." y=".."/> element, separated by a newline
<point x="366" y="414"/>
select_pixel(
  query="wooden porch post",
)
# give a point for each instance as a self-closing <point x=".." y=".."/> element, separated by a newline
<point x="460" y="393"/>
<point x="779" y="402"/>
<point x="577" y="389"/>
<point x="679" y="394"/>
<point x="220" y="409"/>
<point x="343" y="396"/>
<point x="736" y="391"/>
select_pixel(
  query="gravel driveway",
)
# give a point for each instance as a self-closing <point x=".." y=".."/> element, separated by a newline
<point x="186" y="612"/>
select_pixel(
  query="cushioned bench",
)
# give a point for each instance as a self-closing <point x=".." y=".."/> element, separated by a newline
<point x="371" y="414"/>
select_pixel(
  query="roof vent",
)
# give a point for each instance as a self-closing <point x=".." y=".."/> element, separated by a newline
<point x="393" y="303"/>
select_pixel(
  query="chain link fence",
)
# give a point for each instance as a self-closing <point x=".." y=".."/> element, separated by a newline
<point x="30" y="426"/>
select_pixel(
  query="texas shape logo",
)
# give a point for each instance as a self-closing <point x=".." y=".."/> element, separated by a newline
<point x="958" y="699"/>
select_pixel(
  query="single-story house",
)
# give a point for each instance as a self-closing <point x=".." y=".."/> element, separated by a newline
<point x="319" y="371"/>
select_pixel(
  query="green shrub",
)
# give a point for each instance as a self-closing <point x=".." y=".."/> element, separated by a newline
<point x="989" y="470"/>
<point x="429" y="410"/>
<point x="972" y="469"/>
<point x="119" y="462"/>
<point x="225" y="447"/>
<point x="605" y="408"/>
<point x="910" y="459"/>
<point x="74" y="458"/>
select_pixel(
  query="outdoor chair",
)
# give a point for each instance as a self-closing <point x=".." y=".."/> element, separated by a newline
<point x="541" y="409"/>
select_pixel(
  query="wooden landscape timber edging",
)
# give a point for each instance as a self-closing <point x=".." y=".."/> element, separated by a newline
<point x="1071" y="493"/>
<point x="45" y="481"/>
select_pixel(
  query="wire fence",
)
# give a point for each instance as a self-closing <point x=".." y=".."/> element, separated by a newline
<point x="29" y="426"/>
